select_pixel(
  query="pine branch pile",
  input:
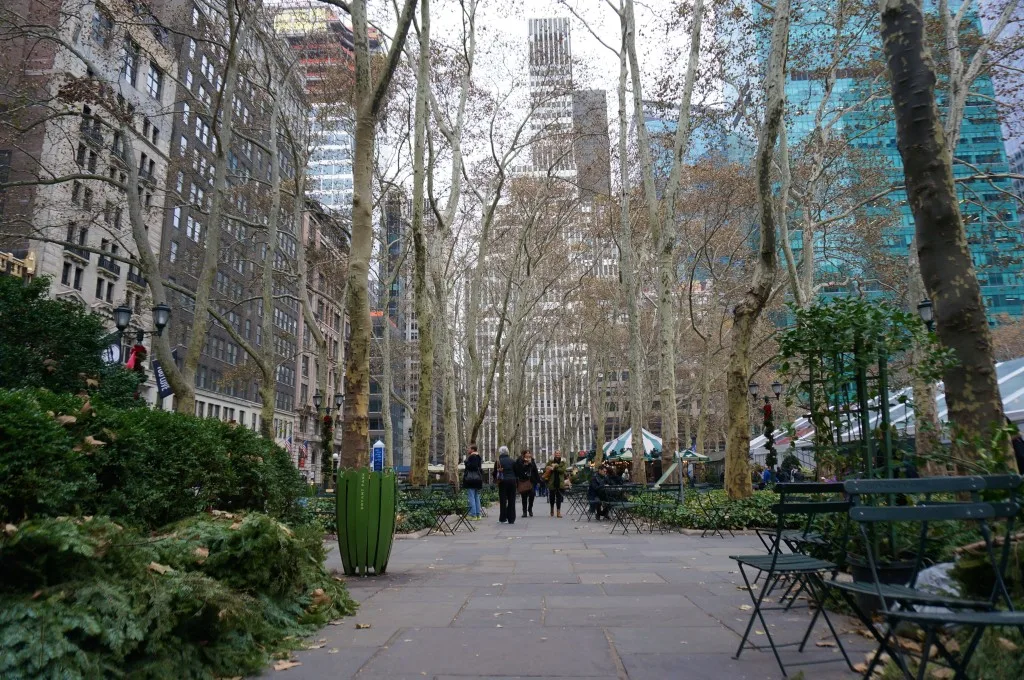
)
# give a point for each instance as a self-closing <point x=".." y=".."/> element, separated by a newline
<point x="213" y="595"/>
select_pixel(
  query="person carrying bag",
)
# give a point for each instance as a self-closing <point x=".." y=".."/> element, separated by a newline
<point x="527" y="477"/>
<point x="556" y="474"/>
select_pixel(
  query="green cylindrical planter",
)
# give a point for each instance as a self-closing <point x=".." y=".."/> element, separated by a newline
<point x="366" y="520"/>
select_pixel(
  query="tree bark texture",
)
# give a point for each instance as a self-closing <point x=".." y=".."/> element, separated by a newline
<point x="422" y="426"/>
<point x="628" y="269"/>
<point x="355" y="443"/>
<point x="267" y="361"/>
<point x="972" y="392"/>
<point x="747" y="312"/>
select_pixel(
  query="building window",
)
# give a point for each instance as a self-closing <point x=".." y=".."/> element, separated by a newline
<point x="65" y="275"/>
<point x="185" y="111"/>
<point x="99" y="287"/>
<point x="102" y="26"/>
<point x="173" y="257"/>
<point x="193" y="229"/>
<point x="176" y="218"/>
<point x="131" y="61"/>
<point x="154" y="81"/>
<point x="78" y="278"/>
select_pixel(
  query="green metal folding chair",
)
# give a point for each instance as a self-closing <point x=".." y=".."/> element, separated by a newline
<point x="777" y="564"/>
<point x="904" y="603"/>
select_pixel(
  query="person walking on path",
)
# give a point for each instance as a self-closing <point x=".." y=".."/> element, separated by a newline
<point x="555" y="474"/>
<point x="527" y="477"/>
<point x="473" y="481"/>
<point x="506" y="473"/>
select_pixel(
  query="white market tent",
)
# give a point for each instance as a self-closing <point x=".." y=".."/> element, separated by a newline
<point x="1010" y="375"/>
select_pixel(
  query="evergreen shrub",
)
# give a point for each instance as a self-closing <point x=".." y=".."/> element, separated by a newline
<point x="212" y="596"/>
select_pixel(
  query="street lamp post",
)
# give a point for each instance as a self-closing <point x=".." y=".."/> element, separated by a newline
<point x="122" y="320"/>
<point x="927" y="313"/>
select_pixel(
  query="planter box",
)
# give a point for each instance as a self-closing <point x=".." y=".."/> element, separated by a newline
<point x="366" y="520"/>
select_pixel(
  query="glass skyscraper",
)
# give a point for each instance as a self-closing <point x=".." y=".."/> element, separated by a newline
<point x="990" y="214"/>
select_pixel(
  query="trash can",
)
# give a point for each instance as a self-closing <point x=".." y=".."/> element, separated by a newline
<point x="366" y="520"/>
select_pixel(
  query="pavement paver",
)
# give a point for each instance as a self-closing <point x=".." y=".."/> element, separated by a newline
<point x="557" y="598"/>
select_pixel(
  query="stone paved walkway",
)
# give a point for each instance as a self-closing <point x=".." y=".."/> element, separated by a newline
<point x="556" y="598"/>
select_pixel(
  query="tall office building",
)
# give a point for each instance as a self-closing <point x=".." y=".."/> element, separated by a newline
<point x="551" y="96"/>
<point x="542" y="385"/>
<point x="591" y="145"/>
<point x="322" y="39"/>
<point x="991" y="217"/>
<point x="75" y="120"/>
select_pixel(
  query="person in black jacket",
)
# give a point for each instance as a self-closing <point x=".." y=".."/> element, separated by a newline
<point x="527" y="477"/>
<point x="473" y="481"/>
<point x="555" y="473"/>
<point x="596" y="490"/>
<point x="506" y="473"/>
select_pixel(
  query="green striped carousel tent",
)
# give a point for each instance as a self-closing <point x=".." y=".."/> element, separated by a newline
<point x="621" y="448"/>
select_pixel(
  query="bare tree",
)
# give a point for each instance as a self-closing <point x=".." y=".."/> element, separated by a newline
<point x="748" y="310"/>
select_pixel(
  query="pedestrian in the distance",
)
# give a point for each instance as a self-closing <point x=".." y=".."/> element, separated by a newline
<point x="473" y="481"/>
<point x="506" y="474"/>
<point x="595" y="492"/>
<point x="527" y="477"/>
<point x="556" y="472"/>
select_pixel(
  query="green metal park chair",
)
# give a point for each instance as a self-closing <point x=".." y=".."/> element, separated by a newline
<point x="928" y="610"/>
<point x="767" y="569"/>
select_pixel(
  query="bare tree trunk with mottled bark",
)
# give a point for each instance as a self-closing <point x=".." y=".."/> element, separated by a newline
<point x="748" y="311"/>
<point x="972" y="391"/>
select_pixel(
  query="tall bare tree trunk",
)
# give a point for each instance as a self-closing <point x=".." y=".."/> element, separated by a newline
<point x="972" y="391"/>
<point x="267" y="361"/>
<point x="628" y="269"/>
<point x="661" y="213"/>
<point x="747" y="312"/>
<point x="422" y="423"/>
<point x="223" y="135"/>
<point x="355" y="444"/>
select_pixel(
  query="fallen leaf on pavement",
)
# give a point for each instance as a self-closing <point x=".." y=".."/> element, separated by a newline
<point x="825" y="643"/>
<point x="860" y="667"/>
<point x="285" y="665"/>
<point x="332" y="650"/>
<point x="362" y="626"/>
<point x="316" y="646"/>
<point x="745" y="607"/>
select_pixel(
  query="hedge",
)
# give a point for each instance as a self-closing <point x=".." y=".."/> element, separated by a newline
<point x="215" y="595"/>
<point x="64" y="455"/>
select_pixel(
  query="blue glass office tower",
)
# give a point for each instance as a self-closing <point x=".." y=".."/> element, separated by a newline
<point x="990" y="214"/>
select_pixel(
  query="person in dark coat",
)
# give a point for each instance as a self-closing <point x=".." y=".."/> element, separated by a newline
<point x="555" y="473"/>
<point x="596" y="490"/>
<point x="1018" y="445"/>
<point x="473" y="481"/>
<point x="506" y="473"/>
<point x="526" y="472"/>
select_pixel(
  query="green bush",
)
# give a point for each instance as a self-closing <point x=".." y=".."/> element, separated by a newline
<point x="745" y="513"/>
<point x="46" y="343"/>
<point x="40" y="471"/>
<point x="212" y="596"/>
<point x="143" y="467"/>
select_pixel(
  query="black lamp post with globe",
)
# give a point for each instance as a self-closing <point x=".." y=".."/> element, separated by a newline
<point x="327" y="434"/>
<point x="137" y="354"/>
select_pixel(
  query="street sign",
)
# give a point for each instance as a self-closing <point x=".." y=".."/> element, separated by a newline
<point x="377" y="458"/>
